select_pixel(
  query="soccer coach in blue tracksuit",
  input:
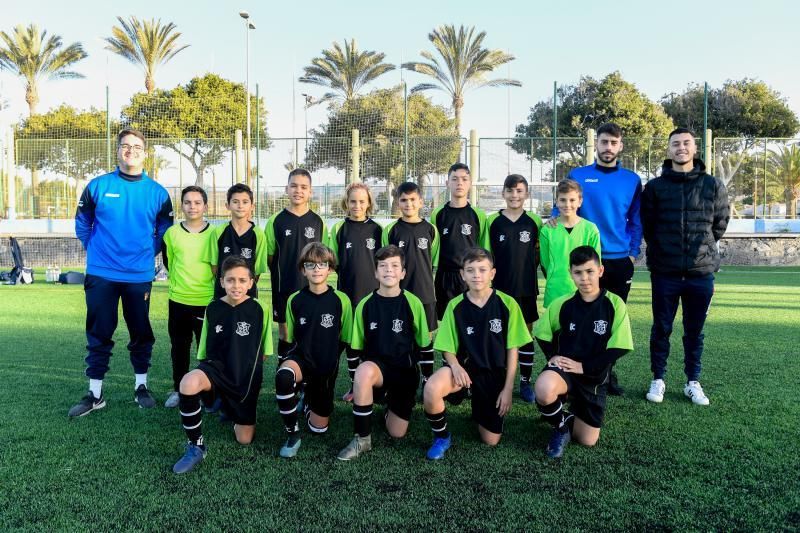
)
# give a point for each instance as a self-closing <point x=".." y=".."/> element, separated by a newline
<point x="611" y="199"/>
<point x="121" y="219"/>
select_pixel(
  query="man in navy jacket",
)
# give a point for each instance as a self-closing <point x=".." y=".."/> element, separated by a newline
<point x="121" y="219"/>
<point x="611" y="196"/>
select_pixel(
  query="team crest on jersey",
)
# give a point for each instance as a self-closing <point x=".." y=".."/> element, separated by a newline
<point x="495" y="325"/>
<point x="327" y="321"/>
<point x="242" y="329"/>
<point x="309" y="233"/>
<point x="397" y="325"/>
<point x="247" y="253"/>
<point x="600" y="326"/>
<point x="524" y="236"/>
<point x="466" y="229"/>
<point x="370" y="244"/>
<point x="422" y="243"/>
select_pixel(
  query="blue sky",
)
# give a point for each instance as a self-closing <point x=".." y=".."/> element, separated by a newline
<point x="660" y="46"/>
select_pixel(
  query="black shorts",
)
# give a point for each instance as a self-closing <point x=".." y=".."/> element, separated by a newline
<point x="617" y="276"/>
<point x="486" y="387"/>
<point x="319" y="389"/>
<point x="527" y="304"/>
<point x="587" y="398"/>
<point x="240" y="412"/>
<point x="447" y="285"/>
<point x="399" y="390"/>
<point x="279" y="300"/>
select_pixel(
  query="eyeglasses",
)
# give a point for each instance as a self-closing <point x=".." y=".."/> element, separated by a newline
<point x="135" y="148"/>
<point x="312" y="266"/>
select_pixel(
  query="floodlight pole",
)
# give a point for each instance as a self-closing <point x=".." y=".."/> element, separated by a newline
<point x="247" y="27"/>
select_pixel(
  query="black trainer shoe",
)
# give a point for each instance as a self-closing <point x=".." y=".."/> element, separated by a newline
<point x="614" y="388"/>
<point x="143" y="397"/>
<point x="87" y="404"/>
<point x="558" y="442"/>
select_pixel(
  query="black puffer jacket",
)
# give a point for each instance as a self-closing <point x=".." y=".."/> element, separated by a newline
<point x="683" y="215"/>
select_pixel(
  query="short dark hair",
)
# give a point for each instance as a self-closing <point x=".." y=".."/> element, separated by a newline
<point x="130" y="131"/>
<point x="407" y="187"/>
<point x="458" y="166"/>
<point x="195" y="188"/>
<point x="512" y="180"/>
<point x="476" y="253"/>
<point x="567" y="185"/>
<point x="237" y="188"/>
<point x="299" y="172"/>
<point x="235" y="261"/>
<point x="316" y="252"/>
<point x="583" y="254"/>
<point x="389" y="251"/>
<point x="609" y="128"/>
<point x="678" y="131"/>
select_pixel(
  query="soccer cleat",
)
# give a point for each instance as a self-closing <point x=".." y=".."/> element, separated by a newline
<point x="694" y="391"/>
<point x="614" y="388"/>
<point x="172" y="400"/>
<point x="356" y="447"/>
<point x="193" y="455"/>
<point x="526" y="391"/>
<point x="348" y="396"/>
<point x="291" y="447"/>
<point x="558" y="443"/>
<point x="143" y="397"/>
<point x="87" y="404"/>
<point x="656" y="392"/>
<point x="439" y="447"/>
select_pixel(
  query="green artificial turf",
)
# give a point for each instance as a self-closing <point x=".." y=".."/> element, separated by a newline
<point x="675" y="466"/>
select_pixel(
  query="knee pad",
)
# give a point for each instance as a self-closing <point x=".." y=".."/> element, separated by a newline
<point x="284" y="381"/>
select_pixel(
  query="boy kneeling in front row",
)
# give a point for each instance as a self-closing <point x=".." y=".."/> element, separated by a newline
<point x="237" y="335"/>
<point x="582" y="335"/>
<point x="480" y="334"/>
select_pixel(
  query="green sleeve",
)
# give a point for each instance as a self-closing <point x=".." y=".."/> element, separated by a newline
<point x="324" y="236"/>
<point x="385" y="233"/>
<point x="290" y="318"/>
<point x="201" y="347"/>
<point x="212" y="251"/>
<point x="346" y="334"/>
<point x="486" y="241"/>
<point x="594" y="239"/>
<point x="483" y="227"/>
<point x="261" y="251"/>
<point x="435" y="248"/>
<point x="544" y="247"/>
<point x="536" y="219"/>
<point x="169" y="247"/>
<point x="447" y="338"/>
<point x="547" y="326"/>
<point x="518" y="334"/>
<point x="269" y="231"/>
<point x="435" y="214"/>
<point x="621" y="337"/>
<point x="421" y="333"/>
<point x="266" y="331"/>
<point x="333" y="241"/>
<point x="357" y="337"/>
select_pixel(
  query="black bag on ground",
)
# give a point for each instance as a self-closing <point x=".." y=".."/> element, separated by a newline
<point x="71" y="278"/>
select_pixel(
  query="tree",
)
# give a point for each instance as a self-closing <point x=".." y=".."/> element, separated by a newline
<point x="146" y="43"/>
<point x="464" y="65"/>
<point x="380" y="119"/>
<point x="784" y="169"/>
<point x="345" y="70"/>
<point x="587" y="105"/>
<point x="198" y="121"/>
<point x="33" y="55"/>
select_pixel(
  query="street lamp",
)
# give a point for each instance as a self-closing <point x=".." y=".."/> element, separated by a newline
<point x="309" y="103"/>
<point x="248" y="25"/>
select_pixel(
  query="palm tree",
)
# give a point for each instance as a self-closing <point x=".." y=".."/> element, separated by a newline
<point x="33" y="55"/>
<point x="463" y="65"/>
<point x="146" y="43"/>
<point x="345" y="70"/>
<point x="784" y="165"/>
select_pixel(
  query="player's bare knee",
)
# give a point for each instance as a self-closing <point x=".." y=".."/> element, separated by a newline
<point x="545" y="392"/>
<point x="491" y="440"/>
<point x="190" y="384"/>
<point x="396" y="433"/>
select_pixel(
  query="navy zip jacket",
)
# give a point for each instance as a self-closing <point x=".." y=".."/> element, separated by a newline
<point x="121" y="221"/>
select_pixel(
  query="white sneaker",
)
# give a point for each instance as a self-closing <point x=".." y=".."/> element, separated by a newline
<point x="656" y="392"/>
<point x="172" y="400"/>
<point x="694" y="391"/>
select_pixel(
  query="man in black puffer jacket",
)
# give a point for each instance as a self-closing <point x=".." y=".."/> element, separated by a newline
<point x="684" y="214"/>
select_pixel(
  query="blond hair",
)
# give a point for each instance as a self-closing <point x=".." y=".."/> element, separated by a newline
<point x="358" y="186"/>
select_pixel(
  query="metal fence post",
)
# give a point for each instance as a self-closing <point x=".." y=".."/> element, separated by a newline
<point x="239" y="156"/>
<point x="474" y="166"/>
<point x="108" y="133"/>
<point x="12" y="176"/>
<point x="355" y="155"/>
<point x="590" y="140"/>
<point x="708" y="154"/>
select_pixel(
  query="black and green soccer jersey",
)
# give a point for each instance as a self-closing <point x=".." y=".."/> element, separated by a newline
<point x="287" y="235"/>
<point x="234" y="341"/>
<point x="420" y="244"/>
<point x="354" y="243"/>
<point x="191" y="281"/>
<point x="515" y="246"/>
<point x="555" y="244"/>
<point x="390" y="329"/>
<point x="480" y="337"/>
<point x="320" y="323"/>
<point x="251" y="245"/>
<point x="459" y="228"/>
<point x="595" y="333"/>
